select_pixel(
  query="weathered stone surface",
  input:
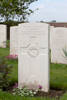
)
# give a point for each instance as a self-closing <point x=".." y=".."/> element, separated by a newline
<point x="14" y="33"/>
<point x="58" y="43"/>
<point x="33" y="67"/>
<point x="3" y="36"/>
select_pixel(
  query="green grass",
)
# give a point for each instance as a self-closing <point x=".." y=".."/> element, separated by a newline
<point x="58" y="78"/>
<point x="4" y="52"/>
<point x="14" y="74"/>
<point x="8" y="96"/>
<point x="64" y="97"/>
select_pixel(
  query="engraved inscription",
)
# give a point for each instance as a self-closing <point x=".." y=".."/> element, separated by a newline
<point x="33" y="51"/>
<point x="32" y="46"/>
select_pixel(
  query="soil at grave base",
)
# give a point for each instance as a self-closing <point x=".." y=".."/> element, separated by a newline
<point x="52" y="94"/>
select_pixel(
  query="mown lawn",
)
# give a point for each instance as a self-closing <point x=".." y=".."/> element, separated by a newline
<point x="7" y="96"/>
<point x="4" y="51"/>
<point x="58" y="78"/>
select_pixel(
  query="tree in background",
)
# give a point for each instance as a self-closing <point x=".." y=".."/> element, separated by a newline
<point x="14" y="11"/>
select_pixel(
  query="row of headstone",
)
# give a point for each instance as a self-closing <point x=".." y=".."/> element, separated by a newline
<point x="58" y="42"/>
<point x="3" y="36"/>
<point x="32" y="42"/>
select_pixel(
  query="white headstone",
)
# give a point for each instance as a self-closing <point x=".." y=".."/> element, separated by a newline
<point x="2" y="36"/>
<point x="58" y="43"/>
<point x="33" y="67"/>
<point x="14" y="40"/>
